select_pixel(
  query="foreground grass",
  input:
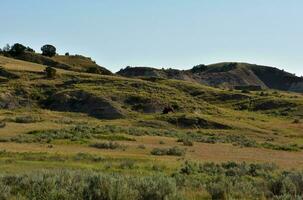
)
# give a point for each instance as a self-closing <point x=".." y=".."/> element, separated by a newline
<point x="190" y="181"/>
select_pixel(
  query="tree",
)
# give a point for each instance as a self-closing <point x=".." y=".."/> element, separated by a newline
<point x="30" y="49"/>
<point x="199" y="68"/>
<point x="7" y="48"/>
<point x="48" y="50"/>
<point x="50" y="72"/>
<point x="17" y="49"/>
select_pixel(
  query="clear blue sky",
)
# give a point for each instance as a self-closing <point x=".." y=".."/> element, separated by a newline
<point x="161" y="33"/>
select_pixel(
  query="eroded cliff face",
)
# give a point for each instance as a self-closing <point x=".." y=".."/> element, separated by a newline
<point x="224" y="75"/>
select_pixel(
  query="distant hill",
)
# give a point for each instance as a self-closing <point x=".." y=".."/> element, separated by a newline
<point x="68" y="62"/>
<point x="225" y="75"/>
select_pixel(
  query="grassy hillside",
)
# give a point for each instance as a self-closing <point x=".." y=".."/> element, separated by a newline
<point x="69" y="62"/>
<point x="217" y="143"/>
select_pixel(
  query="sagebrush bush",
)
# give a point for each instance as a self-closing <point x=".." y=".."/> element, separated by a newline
<point x="107" y="145"/>
<point x="186" y="141"/>
<point x="50" y="72"/>
<point x="86" y="185"/>
<point x="174" y="151"/>
<point x="27" y="119"/>
<point x="2" y="124"/>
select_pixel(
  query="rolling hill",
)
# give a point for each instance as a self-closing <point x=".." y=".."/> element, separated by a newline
<point x="225" y="75"/>
<point x="84" y="133"/>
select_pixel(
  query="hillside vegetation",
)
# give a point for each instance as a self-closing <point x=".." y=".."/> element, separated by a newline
<point x="82" y="134"/>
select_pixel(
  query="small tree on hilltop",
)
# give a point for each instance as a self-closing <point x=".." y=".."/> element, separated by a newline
<point x="48" y="50"/>
<point x="17" y="49"/>
<point x="50" y="72"/>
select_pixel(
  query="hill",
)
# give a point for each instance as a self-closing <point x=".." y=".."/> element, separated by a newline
<point x="78" y="132"/>
<point x="68" y="62"/>
<point x="225" y="75"/>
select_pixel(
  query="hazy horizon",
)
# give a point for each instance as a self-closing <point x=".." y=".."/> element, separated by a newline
<point x="176" y="34"/>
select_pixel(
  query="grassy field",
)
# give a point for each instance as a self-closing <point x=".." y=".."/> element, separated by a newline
<point x="220" y="144"/>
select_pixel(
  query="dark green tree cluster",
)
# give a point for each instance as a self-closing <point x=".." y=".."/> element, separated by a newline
<point x="18" y="49"/>
<point x="48" y="50"/>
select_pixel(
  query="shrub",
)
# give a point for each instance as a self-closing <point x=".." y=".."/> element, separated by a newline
<point x="2" y="124"/>
<point x="217" y="190"/>
<point x="94" y="70"/>
<point x="141" y="146"/>
<point x="186" y="141"/>
<point x="283" y="147"/>
<point x="245" y="91"/>
<point x="161" y="142"/>
<point x="296" y="121"/>
<point x="157" y="167"/>
<point x="107" y="145"/>
<point x="27" y="119"/>
<point x="28" y="49"/>
<point x="50" y="72"/>
<point x="48" y="50"/>
<point x="174" y="151"/>
<point x="159" y="152"/>
<point x="5" y="192"/>
<point x="127" y="164"/>
<point x="189" y="168"/>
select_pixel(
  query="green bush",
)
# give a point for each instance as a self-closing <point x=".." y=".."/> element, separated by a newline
<point x="159" y="152"/>
<point x="27" y="119"/>
<point x="174" y="151"/>
<point x="2" y="124"/>
<point x="50" y="72"/>
<point x="186" y="141"/>
<point x="107" y="145"/>
<point x="127" y="164"/>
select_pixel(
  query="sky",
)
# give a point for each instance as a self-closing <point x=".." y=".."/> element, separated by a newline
<point x="161" y="33"/>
